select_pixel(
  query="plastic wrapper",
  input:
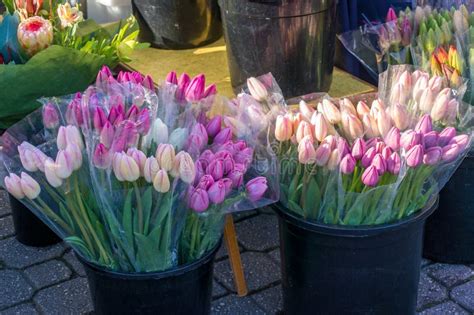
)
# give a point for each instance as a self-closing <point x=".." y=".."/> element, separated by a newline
<point x="134" y="178"/>
<point x="375" y="159"/>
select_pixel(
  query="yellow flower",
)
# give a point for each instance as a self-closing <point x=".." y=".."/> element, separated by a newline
<point x="69" y="15"/>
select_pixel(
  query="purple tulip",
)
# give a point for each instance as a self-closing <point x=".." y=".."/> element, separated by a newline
<point x="240" y="145"/>
<point x="201" y="132"/>
<point x="348" y="164"/>
<point x="50" y="116"/>
<point x="430" y="139"/>
<point x="143" y="121"/>
<point x="172" y="78"/>
<point x="450" y="152"/>
<point x="343" y="147"/>
<point x="198" y="200"/>
<point x="207" y="155"/>
<point x="226" y="156"/>
<point x="425" y="124"/>
<point x="210" y="90"/>
<point x="214" y="126"/>
<point x="379" y="163"/>
<point x="217" y="192"/>
<point x="183" y="83"/>
<point x="462" y="141"/>
<point x="414" y="156"/>
<point x="432" y="155"/>
<point x="244" y="157"/>
<point x="368" y="157"/>
<point x="101" y="158"/>
<point x="236" y="176"/>
<point x="223" y="136"/>
<point x="99" y="119"/>
<point x="392" y="139"/>
<point x="370" y="177"/>
<point x="103" y="77"/>
<point x="358" y="148"/>
<point x="200" y="166"/>
<point x="229" y="146"/>
<point x="205" y="182"/>
<point x="216" y="169"/>
<point x="446" y="135"/>
<point x="107" y="134"/>
<point x="394" y="163"/>
<point x="195" y="89"/>
<point x="115" y="113"/>
<point x="228" y="185"/>
<point x="410" y="138"/>
<point x="256" y="188"/>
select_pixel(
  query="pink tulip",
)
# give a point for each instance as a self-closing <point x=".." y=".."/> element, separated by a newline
<point x="150" y="169"/>
<point x="343" y="147"/>
<point x="323" y="152"/>
<point x="200" y="131"/>
<point x="446" y="135"/>
<point x="125" y="167"/>
<point x="392" y="139"/>
<point x="370" y="177"/>
<point x="440" y="107"/>
<point x="61" y="141"/>
<point x="394" y="163"/>
<point x="214" y="126"/>
<point x="139" y="157"/>
<point x="379" y="163"/>
<point x="283" y="128"/>
<point x="304" y="129"/>
<point x="50" y="173"/>
<point x="13" y="185"/>
<point x="424" y="125"/>
<point x="244" y="157"/>
<point x="223" y="136"/>
<point x="331" y="141"/>
<point x="331" y="112"/>
<point x="348" y="164"/>
<point x="306" y="110"/>
<point x="216" y="169"/>
<point x="101" y="158"/>
<point x="358" y="148"/>
<point x="116" y="115"/>
<point x="362" y="109"/>
<point x="461" y="140"/>
<point x="64" y="163"/>
<point x="165" y="155"/>
<point x="400" y="116"/>
<point x="198" y="200"/>
<point x="143" y="121"/>
<point x="306" y="151"/>
<point x="107" y="134"/>
<point x="368" y="157"/>
<point x="210" y="90"/>
<point x="257" y="89"/>
<point x="386" y="152"/>
<point x="391" y="15"/>
<point x="103" y="76"/>
<point x="50" y="116"/>
<point x="256" y="188"/>
<point x="183" y="83"/>
<point x="450" y="152"/>
<point x="414" y="156"/>
<point x="132" y="113"/>
<point x="148" y="83"/>
<point x="432" y="155"/>
<point x="410" y="138"/>
<point x="228" y="160"/>
<point x="217" y="192"/>
<point x="99" y="119"/>
<point x="383" y="122"/>
<point x="430" y="139"/>
<point x="172" y="77"/>
<point x="352" y="126"/>
<point x="205" y="182"/>
<point x="195" y="89"/>
<point x="30" y="187"/>
<point x="320" y="126"/>
<point x="207" y="155"/>
<point x="237" y="175"/>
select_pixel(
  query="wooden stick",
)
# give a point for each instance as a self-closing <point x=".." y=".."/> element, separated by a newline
<point x="230" y="238"/>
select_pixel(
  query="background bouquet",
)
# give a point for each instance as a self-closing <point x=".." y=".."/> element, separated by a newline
<point x="48" y="49"/>
<point x="363" y="165"/>
<point x="137" y="179"/>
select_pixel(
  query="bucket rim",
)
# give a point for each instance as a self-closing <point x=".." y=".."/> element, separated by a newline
<point x="361" y="230"/>
<point x="173" y="272"/>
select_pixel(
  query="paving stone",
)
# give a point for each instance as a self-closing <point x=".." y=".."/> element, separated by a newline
<point x="464" y="295"/>
<point x="74" y="263"/>
<point x="449" y="275"/>
<point x="260" y="271"/>
<point x="22" y="309"/>
<point x="275" y="255"/>
<point x="4" y="203"/>
<point x="70" y="297"/>
<point x="267" y="210"/>
<point x="446" y="308"/>
<point x="48" y="273"/>
<point x="243" y="215"/>
<point x="13" y="289"/>
<point x="258" y="233"/>
<point x="429" y="292"/>
<point x="222" y="252"/>
<point x="218" y="290"/>
<point x="270" y="300"/>
<point x="16" y="255"/>
<point x="6" y="227"/>
<point x="233" y="304"/>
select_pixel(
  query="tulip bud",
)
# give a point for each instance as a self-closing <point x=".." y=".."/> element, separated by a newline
<point x="99" y="119"/>
<point x="323" y="152"/>
<point x="101" y="158"/>
<point x="432" y="155"/>
<point x="304" y="129"/>
<point x="217" y="192"/>
<point x="427" y="100"/>
<point x="125" y="167"/>
<point x="74" y="136"/>
<point x="450" y="152"/>
<point x="320" y="126"/>
<point x="214" y="126"/>
<point x="400" y="116"/>
<point x="139" y="157"/>
<point x="237" y="175"/>
<point x="380" y="164"/>
<point x="161" y="181"/>
<point x="358" y="149"/>
<point x="399" y="94"/>
<point x="306" y="110"/>
<point x="391" y="15"/>
<point x="440" y="107"/>
<point x="424" y="125"/>
<point x="410" y="138"/>
<point x="296" y="120"/>
<point x="306" y="151"/>
<point x="50" y="173"/>
<point x="352" y="126"/>
<point x="435" y="84"/>
<point x="64" y="164"/>
<point x="172" y="77"/>
<point x="348" y="164"/>
<point x="50" y="116"/>
<point x="368" y="157"/>
<point x="446" y="135"/>
<point x="257" y="89"/>
<point x="223" y="136"/>
<point x="165" y="155"/>
<point x="195" y="89"/>
<point x="178" y="137"/>
<point x="143" y="121"/>
<point x="27" y="158"/>
<point x="244" y="157"/>
<point x="334" y="160"/>
<point x="183" y="83"/>
<point x="198" y="200"/>
<point x="394" y="163"/>
<point x="430" y="139"/>
<point x="283" y="128"/>
<point x="383" y="123"/>
<point x="370" y="126"/>
<point x="256" y="188"/>
<point x="216" y="169"/>
<point x="30" y="187"/>
<point x="414" y="156"/>
<point x="421" y="86"/>
<point x="462" y="141"/>
<point x="187" y="170"/>
<point x="370" y="177"/>
<point x="61" y="141"/>
<point x="331" y="112"/>
<point x="392" y="139"/>
<point x="362" y="109"/>
<point x="210" y="90"/>
<point x="13" y="185"/>
<point x="347" y="106"/>
<point x="331" y="141"/>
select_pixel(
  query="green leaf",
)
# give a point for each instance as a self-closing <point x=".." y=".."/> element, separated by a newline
<point x="295" y="207"/>
<point x="66" y="216"/>
<point x="312" y="200"/>
<point x="80" y="246"/>
<point x="87" y="27"/>
<point x="127" y="218"/>
<point x="147" y="201"/>
<point x="149" y="256"/>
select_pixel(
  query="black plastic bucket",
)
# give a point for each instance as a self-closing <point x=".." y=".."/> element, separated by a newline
<point x="347" y="270"/>
<point x="184" y="290"/>
<point x="449" y="232"/>
<point x="178" y="24"/>
<point x="294" y="40"/>
<point x="29" y="229"/>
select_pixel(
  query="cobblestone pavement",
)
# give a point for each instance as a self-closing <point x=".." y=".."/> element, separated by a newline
<point x="52" y="281"/>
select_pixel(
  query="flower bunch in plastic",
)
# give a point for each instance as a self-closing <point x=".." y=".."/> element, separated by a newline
<point x="355" y="164"/>
<point x="127" y="191"/>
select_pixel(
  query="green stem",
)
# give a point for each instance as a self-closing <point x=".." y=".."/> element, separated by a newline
<point x="49" y="212"/>
<point x="139" y="207"/>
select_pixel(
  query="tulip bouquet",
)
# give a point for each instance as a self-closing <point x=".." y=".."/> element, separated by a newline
<point x="127" y="191"/>
<point x="349" y="164"/>
<point x="52" y="40"/>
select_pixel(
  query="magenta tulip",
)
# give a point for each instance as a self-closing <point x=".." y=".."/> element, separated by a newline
<point x="132" y="113"/>
<point x="183" y="83"/>
<point x="99" y="119"/>
<point x="348" y="164"/>
<point x="358" y="148"/>
<point x="143" y="121"/>
<point x="210" y="90"/>
<point x="446" y="135"/>
<point x="198" y="200"/>
<point x="244" y="157"/>
<point x="414" y="156"/>
<point x="424" y="125"/>
<point x="394" y="163"/>
<point x="462" y="141"/>
<point x="450" y="152"/>
<point x="50" y="116"/>
<point x="216" y="169"/>
<point x="410" y="138"/>
<point x="217" y="192"/>
<point x="432" y="155"/>
<point x="430" y="139"/>
<point x="392" y="139"/>
<point x="172" y="78"/>
<point x="205" y="182"/>
<point x="101" y="158"/>
<point x="214" y="126"/>
<point x="379" y="163"/>
<point x="368" y="157"/>
<point x="370" y="177"/>
<point x="148" y="83"/>
<point x="195" y="89"/>
<point x="223" y="136"/>
<point x="256" y="188"/>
